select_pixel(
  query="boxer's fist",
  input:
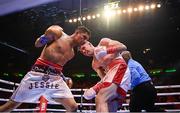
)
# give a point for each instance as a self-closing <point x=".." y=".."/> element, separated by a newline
<point x="69" y="82"/>
<point x="89" y="94"/>
<point x="53" y="32"/>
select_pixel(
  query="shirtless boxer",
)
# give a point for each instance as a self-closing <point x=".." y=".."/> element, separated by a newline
<point x="112" y="70"/>
<point x="44" y="78"/>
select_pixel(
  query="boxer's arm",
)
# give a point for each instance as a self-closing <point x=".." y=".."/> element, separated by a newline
<point x="116" y="47"/>
<point x="112" y="46"/>
<point x="99" y="70"/>
<point x="52" y="33"/>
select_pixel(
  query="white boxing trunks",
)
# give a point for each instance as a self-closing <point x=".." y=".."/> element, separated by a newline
<point x="36" y="84"/>
<point x="118" y="73"/>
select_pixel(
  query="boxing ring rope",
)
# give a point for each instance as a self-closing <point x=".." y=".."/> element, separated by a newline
<point x="159" y="94"/>
<point x="157" y="87"/>
<point x="169" y="86"/>
<point x="86" y="111"/>
<point x="8" y="82"/>
<point x="93" y="104"/>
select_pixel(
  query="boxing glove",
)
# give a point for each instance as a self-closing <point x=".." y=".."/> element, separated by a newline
<point x="52" y="33"/>
<point x="43" y="39"/>
<point x="89" y="94"/>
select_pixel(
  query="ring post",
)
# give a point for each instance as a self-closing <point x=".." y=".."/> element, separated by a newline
<point x="43" y="105"/>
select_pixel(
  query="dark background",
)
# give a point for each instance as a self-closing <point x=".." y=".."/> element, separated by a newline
<point x="157" y="29"/>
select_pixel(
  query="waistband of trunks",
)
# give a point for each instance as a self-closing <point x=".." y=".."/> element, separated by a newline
<point x="45" y="69"/>
<point x="115" y="62"/>
<point x="44" y="62"/>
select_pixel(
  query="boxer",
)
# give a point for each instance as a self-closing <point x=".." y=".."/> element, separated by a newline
<point x="111" y="68"/>
<point x="44" y="78"/>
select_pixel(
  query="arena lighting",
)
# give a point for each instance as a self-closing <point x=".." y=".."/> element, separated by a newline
<point x="84" y="18"/>
<point x="109" y="13"/>
<point x="141" y="7"/>
<point x="156" y="72"/>
<point x="119" y="11"/>
<point x="88" y="17"/>
<point x="16" y="74"/>
<point x="5" y="74"/>
<point x="20" y="75"/>
<point x="79" y="75"/>
<point x="124" y="11"/>
<point x="146" y="50"/>
<point x="98" y="15"/>
<point x="94" y="75"/>
<point x="129" y="10"/>
<point x="158" y="5"/>
<point x="147" y="7"/>
<point x="79" y="18"/>
<point x="153" y="6"/>
<point x="170" y="70"/>
<point x="109" y="9"/>
<point x="75" y="20"/>
<point x="135" y="9"/>
<point x="70" y="21"/>
<point x="112" y="9"/>
<point x="112" y="5"/>
<point x="93" y="16"/>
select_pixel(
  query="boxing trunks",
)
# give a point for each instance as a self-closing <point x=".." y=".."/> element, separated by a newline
<point x="44" y="79"/>
<point x="118" y="73"/>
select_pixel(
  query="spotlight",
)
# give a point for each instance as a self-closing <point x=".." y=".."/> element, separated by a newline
<point x="93" y="16"/>
<point x="70" y="20"/>
<point x="75" y="20"/>
<point x="109" y="13"/>
<point x="152" y="6"/>
<point x="79" y="18"/>
<point x="124" y="11"/>
<point x="84" y="18"/>
<point x="147" y="7"/>
<point x="135" y="9"/>
<point x="158" y="5"/>
<point x="129" y="10"/>
<point x="141" y="8"/>
<point x="119" y="11"/>
<point x="98" y="15"/>
<point x="88" y="17"/>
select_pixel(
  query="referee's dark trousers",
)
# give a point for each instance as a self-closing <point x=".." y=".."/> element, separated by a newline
<point x="143" y="97"/>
